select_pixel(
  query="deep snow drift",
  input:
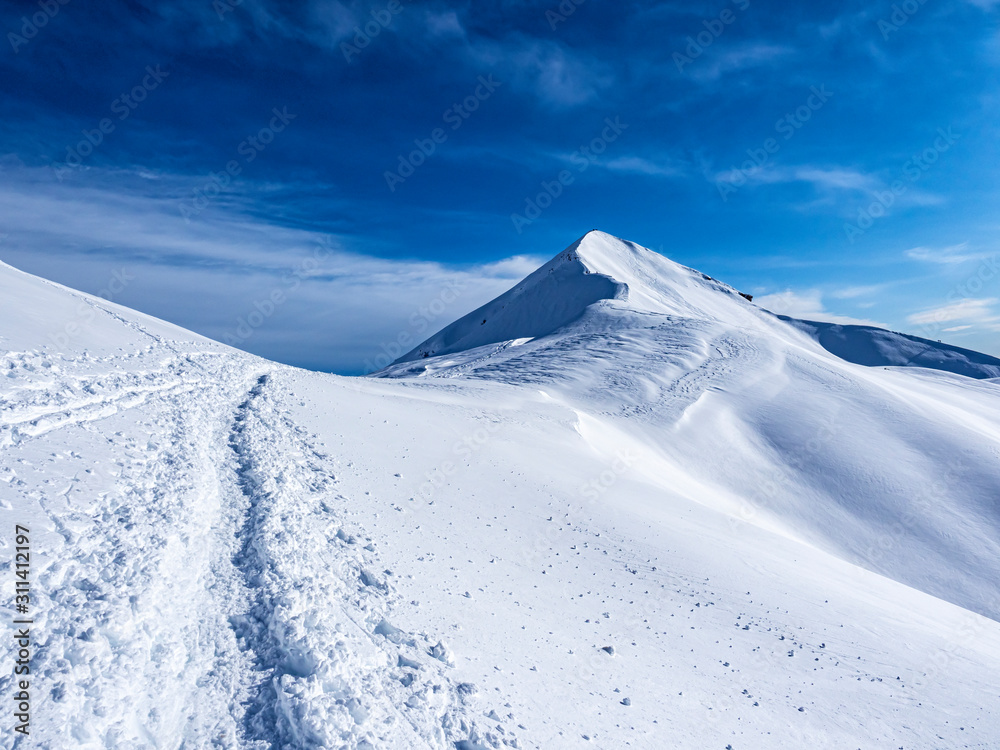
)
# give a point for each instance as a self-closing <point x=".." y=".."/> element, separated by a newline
<point x="630" y="510"/>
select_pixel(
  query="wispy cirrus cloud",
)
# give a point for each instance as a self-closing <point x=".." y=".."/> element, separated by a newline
<point x="557" y="75"/>
<point x="664" y="167"/>
<point x="446" y="23"/>
<point x="832" y="185"/>
<point x="739" y="57"/>
<point x="979" y="312"/>
<point x="949" y="255"/>
<point x="831" y="178"/>
<point x="835" y="178"/>
<point x="854" y="292"/>
<point x="208" y="275"/>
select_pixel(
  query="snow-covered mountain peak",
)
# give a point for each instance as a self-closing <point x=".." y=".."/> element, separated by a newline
<point x="544" y="301"/>
<point x="654" y="282"/>
<point x="601" y="282"/>
<point x="597" y="268"/>
<point x="624" y="261"/>
<point x="603" y="253"/>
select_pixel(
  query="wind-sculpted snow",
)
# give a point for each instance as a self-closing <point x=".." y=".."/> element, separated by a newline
<point x="653" y="525"/>
<point x="597" y="268"/>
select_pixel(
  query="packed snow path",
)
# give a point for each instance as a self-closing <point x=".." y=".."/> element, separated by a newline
<point x="331" y="670"/>
<point x="206" y="549"/>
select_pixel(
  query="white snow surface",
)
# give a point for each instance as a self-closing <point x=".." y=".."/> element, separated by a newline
<point x="875" y="347"/>
<point x="631" y="510"/>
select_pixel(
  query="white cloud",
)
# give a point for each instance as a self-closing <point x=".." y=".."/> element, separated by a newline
<point x="830" y="182"/>
<point x="852" y="292"/>
<point x="976" y="311"/>
<point x="331" y="22"/>
<point x="807" y="305"/>
<point x="836" y="178"/>
<point x="444" y="24"/>
<point x="946" y="255"/>
<point x="640" y="165"/>
<point x="342" y="307"/>
<point x="738" y="57"/>
<point x="558" y="76"/>
<point x="846" y="23"/>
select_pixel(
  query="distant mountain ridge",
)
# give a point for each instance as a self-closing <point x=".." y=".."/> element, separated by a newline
<point x="877" y="347"/>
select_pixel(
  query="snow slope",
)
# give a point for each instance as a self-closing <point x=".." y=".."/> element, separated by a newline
<point x="892" y="469"/>
<point x="650" y="525"/>
<point x="196" y="581"/>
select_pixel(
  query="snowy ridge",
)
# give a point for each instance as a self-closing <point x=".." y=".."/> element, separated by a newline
<point x="876" y="347"/>
<point x="607" y="272"/>
<point x="672" y="521"/>
<point x="597" y="268"/>
<point x="554" y="295"/>
<point x="752" y="415"/>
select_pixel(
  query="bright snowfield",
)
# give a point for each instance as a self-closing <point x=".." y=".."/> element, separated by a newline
<point x="628" y="510"/>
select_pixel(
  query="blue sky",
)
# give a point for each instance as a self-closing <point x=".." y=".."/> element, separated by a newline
<point x="315" y="181"/>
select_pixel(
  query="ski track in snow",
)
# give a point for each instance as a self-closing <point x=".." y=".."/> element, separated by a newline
<point x="208" y="554"/>
<point x="329" y="675"/>
<point x="124" y="592"/>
